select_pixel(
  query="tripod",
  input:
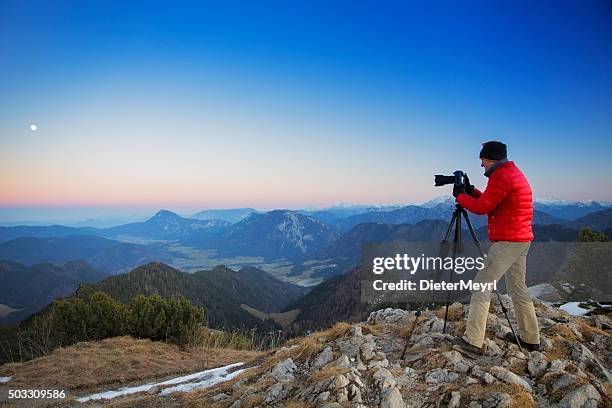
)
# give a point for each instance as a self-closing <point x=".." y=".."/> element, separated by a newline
<point x="456" y="247"/>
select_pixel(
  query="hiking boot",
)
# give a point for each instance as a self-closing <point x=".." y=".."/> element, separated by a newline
<point x="459" y="344"/>
<point x="509" y="337"/>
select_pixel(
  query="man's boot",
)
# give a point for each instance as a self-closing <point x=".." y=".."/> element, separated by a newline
<point x="509" y="337"/>
<point x="462" y="346"/>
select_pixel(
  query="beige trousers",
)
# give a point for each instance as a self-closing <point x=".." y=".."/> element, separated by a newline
<point x="509" y="258"/>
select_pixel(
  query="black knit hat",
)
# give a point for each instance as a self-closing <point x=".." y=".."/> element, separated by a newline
<point x="493" y="150"/>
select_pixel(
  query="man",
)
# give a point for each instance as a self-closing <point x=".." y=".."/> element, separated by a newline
<point x="507" y="201"/>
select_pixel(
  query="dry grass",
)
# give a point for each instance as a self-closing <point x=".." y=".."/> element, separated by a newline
<point x="589" y="332"/>
<point x="561" y="330"/>
<point x="118" y="360"/>
<point x="328" y="372"/>
<point x="559" y="351"/>
<point x="298" y="404"/>
<point x="379" y="329"/>
<point x="310" y="345"/>
<point x="519" y="367"/>
<point x="252" y="400"/>
<point x="435" y="361"/>
<point x="404" y="332"/>
<point x="455" y="312"/>
<point x="520" y="397"/>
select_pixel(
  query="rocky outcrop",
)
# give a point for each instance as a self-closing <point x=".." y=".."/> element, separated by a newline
<point x="360" y="365"/>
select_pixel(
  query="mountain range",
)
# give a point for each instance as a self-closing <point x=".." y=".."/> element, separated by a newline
<point x="275" y="234"/>
<point x="308" y="246"/>
<point x="27" y="289"/>
<point x="228" y="295"/>
<point x="106" y="255"/>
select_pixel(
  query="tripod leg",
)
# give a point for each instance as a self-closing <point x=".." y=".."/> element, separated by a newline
<point x="422" y="305"/>
<point x="504" y="309"/>
<point x="456" y="243"/>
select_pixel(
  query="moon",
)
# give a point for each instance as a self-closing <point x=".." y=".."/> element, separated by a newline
<point x="33" y="127"/>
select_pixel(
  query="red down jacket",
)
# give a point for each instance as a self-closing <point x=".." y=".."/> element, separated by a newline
<point x="508" y="202"/>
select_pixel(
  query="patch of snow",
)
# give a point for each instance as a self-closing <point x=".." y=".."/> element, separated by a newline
<point x="574" y="309"/>
<point x="5" y="379"/>
<point x="202" y="384"/>
<point x="207" y="375"/>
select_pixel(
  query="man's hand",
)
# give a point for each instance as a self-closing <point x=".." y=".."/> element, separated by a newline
<point x="469" y="188"/>
<point x="458" y="190"/>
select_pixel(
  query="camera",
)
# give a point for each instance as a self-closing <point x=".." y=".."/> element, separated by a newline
<point x="456" y="179"/>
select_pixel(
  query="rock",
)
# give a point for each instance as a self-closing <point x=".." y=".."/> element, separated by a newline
<point x="440" y="375"/>
<point x="491" y="348"/>
<point x="583" y="357"/>
<point x="323" y="385"/>
<point x="545" y="322"/>
<point x="391" y="398"/>
<point x="488" y="378"/>
<point x="383" y="378"/>
<point x="355" y="394"/>
<point x="582" y="397"/>
<point x="283" y="370"/>
<point x="360" y="366"/>
<point x="433" y="325"/>
<point x="153" y="390"/>
<point x="275" y="393"/>
<point x="537" y="365"/>
<point x="342" y="395"/>
<point x="423" y="341"/>
<point x="340" y="381"/>
<point x="483" y="375"/>
<point x="455" y="400"/>
<point x="509" y="377"/>
<point x="343" y="362"/>
<point x="324" y="357"/>
<point x="496" y="400"/>
<point x="470" y="380"/>
<point x="542" y="389"/>
<point x="410" y="372"/>
<point x="367" y="350"/>
<point x="378" y="363"/>
<point x="501" y="332"/>
<point x="455" y="361"/>
<point x="350" y="347"/>
<point x="354" y="378"/>
<point x="356" y="331"/>
<point x="545" y="343"/>
<point x="564" y="381"/>
<point x="557" y="366"/>
<point x="324" y="396"/>
<point x="389" y="316"/>
<point x="600" y="321"/>
<point x="219" y="397"/>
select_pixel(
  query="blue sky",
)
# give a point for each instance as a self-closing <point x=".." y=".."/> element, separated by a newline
<point x="289" y="104"/>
